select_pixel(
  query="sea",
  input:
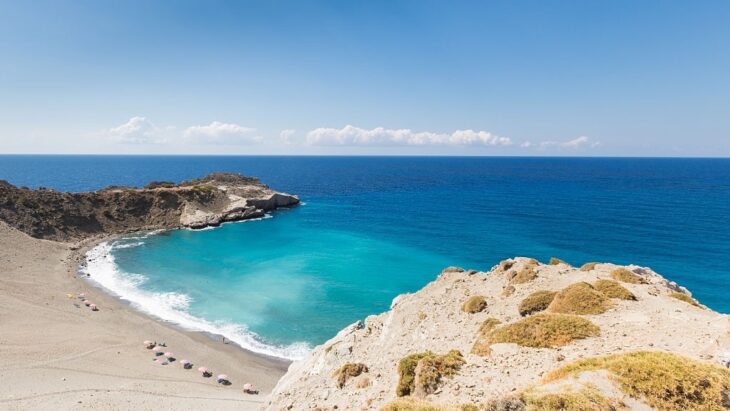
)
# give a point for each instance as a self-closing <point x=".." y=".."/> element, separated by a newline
<point x="371" y="228"/>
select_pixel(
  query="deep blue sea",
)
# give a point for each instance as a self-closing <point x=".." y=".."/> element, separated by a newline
<point x="374" y="227"/>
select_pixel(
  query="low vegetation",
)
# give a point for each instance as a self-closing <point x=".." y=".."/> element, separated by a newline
<point x="347" y="371"/>
<point x="588" y="266"/>
<point x="612" y="289"/>
<point x="535" y="302"/>
<point x="424" y="371"/>
<point x="508" y="290"/>
<point x="626" y="276"/>
<point x="684" y="297"/>
<point x="413" y="404"/>
<point x="474" y="304"/>
<point x="481" y="345"/>
<point x="584" y="399"/>
<point x="544" y="331"/>
<point x="580" y="298"/>
<point x="662" y="380"/>
<point x="159" y="184"/>
<point x="556" y="261"/>
<point x="525" y="274"/>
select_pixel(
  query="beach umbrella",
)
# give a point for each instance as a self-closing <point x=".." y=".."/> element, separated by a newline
<point x="148" y="344"/>
<point x="82" y="296"/>
<point x="169" y="354"/>
<point x="87" y="303"/>
<point x="93" y="307"/>
<point x="206" y="372"/>
<point x="222" y="378"/>
<point x="247" y="387"/>
<point x="186" y="364"/>
<point x="157" y="349"/>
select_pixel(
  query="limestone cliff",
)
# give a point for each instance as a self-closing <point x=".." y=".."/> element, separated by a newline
<point x="525" y="335"/>
<point x="209" y="201"/>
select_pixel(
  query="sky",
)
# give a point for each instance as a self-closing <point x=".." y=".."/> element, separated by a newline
<point x="518" y="78"/>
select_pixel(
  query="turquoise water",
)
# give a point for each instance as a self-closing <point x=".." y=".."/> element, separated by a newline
<point x="287" y="280"/>
<point x="374" y="227"/>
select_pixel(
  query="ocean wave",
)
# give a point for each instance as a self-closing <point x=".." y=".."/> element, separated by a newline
<point x="173" y="307"/>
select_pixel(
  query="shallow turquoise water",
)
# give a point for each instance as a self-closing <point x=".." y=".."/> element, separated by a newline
<point x="284" y="278"/>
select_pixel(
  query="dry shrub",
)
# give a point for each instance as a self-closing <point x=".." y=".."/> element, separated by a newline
<point x="424" y="371"/>
<point x="588" y="266"/>
<point x="665" y="381"/>
<point x="580" y="298"/>
<point x="414" y="404"/>
<point x="481" y="345"/>
<point x="525" y="274"/>
<point x="535" y="302"/>
<point x="585" y="399"/>
<point x="684" y="297"/>
<point x="508" y="290"/>
<point x="544" y="331"/>
<point x="474" y="304"/>
<point x="612" y="289"/>
<point x="556" y="261"/>
<point x="348" y="371"/>
<point x="626" y="276"/>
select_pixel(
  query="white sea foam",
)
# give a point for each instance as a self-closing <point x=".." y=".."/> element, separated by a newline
<point x="172" y="306"/>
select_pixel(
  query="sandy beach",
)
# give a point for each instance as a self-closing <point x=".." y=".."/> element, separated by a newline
<point x="55" y="353"/>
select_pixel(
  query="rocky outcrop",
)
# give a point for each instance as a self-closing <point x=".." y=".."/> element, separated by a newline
<point x="427" y="351"/>
<point x="208" y="201"/>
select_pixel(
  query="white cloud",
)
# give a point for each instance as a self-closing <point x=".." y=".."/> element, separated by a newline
<point x="574" y="144"/>
<point x="221" y="133"/>
<point x="138" y="130"/>
<point x="286" y="135"/>
<point x="355" y="136"/>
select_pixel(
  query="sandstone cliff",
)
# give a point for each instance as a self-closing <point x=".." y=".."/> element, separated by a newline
<point x="525" y="335"/>
<point x="209" y="201"/>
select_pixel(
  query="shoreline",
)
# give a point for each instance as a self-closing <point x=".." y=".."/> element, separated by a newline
<point x="57" y="353"/>
<point x="80" y="255"/>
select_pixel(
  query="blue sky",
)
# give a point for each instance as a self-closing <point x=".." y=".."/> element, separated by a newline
<point x="377" y="77"/>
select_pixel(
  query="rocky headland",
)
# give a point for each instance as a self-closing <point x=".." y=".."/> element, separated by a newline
<point x="199" y="203"/>
<point x="524" y="336"/>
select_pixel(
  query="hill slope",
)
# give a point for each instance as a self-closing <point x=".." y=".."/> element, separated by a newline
<point x="476" y="338"/>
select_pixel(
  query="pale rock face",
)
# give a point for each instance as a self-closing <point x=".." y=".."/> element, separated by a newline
<point x="432" y="320"/>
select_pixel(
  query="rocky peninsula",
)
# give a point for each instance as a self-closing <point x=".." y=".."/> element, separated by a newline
<point x="524" y="336"/>
<point x="199" y="203"/>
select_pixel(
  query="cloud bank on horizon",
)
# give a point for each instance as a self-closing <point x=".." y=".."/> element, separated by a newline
<point x="139" y="130"/>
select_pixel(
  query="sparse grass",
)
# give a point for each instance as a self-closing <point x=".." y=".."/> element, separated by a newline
<point x="544" y="331"/>
<point x="526" y="274"/>
<point x="508" y="290"/>
<point x="626" y="276"/>
<point x="684" y="297"/>
<point x="348" y="371"/>
<point x="431" y="369"/>
<point x="407" y="372"/>
<point x="556" y="261"/>
<point x="588" y="266"/>
<point x="579" y="298"/>
<point x="474" y="304"/>
<point x="612" y="289"/>
<point x="481" y="345"/>
<point x="413" y="404"/>
<point x="535" y="302"/>
<point x="505" y="265"/>
<point x="663" y="380"/>
<point x="585" y="399"/>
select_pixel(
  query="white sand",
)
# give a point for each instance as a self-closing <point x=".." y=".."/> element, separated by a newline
<point x="55" y="353"/>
